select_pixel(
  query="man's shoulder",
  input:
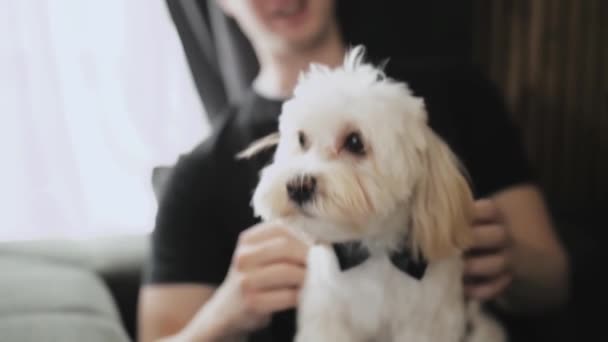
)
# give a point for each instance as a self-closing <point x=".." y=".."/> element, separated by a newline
<point x="213" y="157"/>
<point x="454" y="91"/>
<point x="216" y="146"/>
<point x="233" y="130"/>
<point x="451" y="76"/>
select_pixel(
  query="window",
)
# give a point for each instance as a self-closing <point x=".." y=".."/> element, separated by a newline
<point x="93" y="95"/>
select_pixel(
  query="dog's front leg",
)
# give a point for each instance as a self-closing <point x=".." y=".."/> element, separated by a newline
<point x="318" y="323"/>
<point x="324" y="332"/>
<point x="321" y="315"/>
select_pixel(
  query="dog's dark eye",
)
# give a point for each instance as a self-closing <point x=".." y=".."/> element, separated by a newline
<point x="354" y="144"/>
<point x="302" y="139"/>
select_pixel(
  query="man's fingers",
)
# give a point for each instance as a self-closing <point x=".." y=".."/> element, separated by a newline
<point x="485" y="211"/>
<point x="268" y="302"/>
<point x="264" y="231"/>
<point x="489" y="237"/>
<point x="491" y="265"/>
<point x="488" y="290"/>
<point x="276" y="249"/>
<point x="273" y="277"/>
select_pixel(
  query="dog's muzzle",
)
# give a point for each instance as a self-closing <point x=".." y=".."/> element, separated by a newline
<point x="302" y="189"/>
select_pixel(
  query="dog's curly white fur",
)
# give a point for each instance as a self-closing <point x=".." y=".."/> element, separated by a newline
<point x="381" y="176"/>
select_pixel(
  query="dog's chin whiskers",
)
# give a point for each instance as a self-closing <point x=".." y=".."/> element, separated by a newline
<point x="305" y="212"/>
<point x="288" y="211"/>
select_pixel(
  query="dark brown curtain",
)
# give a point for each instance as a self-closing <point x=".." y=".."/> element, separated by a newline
<point x="550" y="57"/>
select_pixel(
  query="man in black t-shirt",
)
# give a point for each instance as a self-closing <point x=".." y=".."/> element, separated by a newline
<point x="209" y="281"/>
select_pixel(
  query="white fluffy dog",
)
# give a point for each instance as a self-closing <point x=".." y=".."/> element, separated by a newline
<point x="358" y="171"/>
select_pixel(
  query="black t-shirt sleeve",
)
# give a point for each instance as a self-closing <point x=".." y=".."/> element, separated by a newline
<point x="188" y="244"/>
<point x="492" y="149"/>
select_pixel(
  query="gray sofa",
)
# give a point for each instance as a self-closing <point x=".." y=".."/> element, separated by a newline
<point x="70" y="290"/>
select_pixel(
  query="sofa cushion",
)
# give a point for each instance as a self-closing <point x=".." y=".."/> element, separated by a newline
<point x="50" y="301"/>
<point x="116" y="259"/>
<point x="60" y="327"/>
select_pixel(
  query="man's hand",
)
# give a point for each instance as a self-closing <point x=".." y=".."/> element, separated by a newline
<point x="487" y="271"/>
<point x="267" y="271"/>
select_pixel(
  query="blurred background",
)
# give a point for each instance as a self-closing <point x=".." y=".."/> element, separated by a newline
<point x="96" y="97"/>
<point x="93" y="94"/>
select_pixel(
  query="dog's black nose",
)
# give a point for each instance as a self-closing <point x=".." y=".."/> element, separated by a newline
<point x="301" y="189"/>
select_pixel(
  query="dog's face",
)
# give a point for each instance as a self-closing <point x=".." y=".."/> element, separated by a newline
<point x="354" y="150"/>
<point x="344" y="159"/>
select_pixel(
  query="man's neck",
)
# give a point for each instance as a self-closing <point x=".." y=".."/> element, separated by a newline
<point x="279" y="72"/>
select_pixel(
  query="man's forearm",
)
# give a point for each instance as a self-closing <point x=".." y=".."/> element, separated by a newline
<point x="207" y="336"/>
<point x="540" y="282"/>
<point x="539" y="263"/>
<point x="205" y="327"/>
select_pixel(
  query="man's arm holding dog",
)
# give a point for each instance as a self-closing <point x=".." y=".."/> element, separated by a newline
<point x="267" y="271"/>
<point x="516" y="254"/>
<point x="164" y="310"/>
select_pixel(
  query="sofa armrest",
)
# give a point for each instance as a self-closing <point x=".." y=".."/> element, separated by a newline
<point x="116" y="260"/>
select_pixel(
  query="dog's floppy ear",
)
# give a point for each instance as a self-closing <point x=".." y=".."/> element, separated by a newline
<point x="259" y="145"/>
<point x="442" y="206"/>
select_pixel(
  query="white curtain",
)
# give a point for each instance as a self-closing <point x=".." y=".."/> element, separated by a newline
<point x="93" y="95"/>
